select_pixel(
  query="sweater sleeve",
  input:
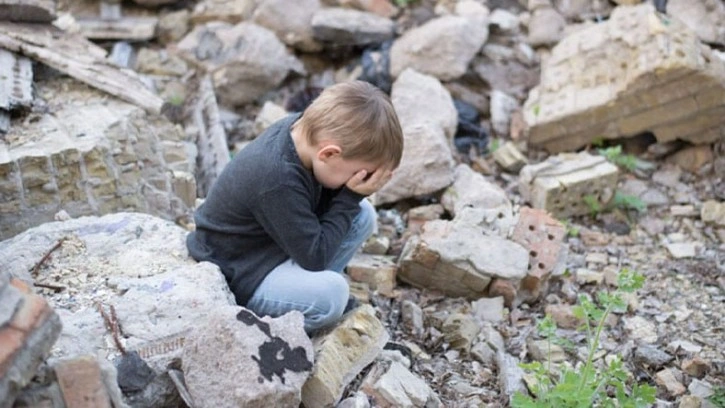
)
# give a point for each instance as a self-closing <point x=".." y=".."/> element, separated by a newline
<point x="285" y="214"/>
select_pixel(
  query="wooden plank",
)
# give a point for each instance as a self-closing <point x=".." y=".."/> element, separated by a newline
<point x="80" y="59"/>
<point x="16" y="81"/>
<point x="29" y="11"/>
<point x="203" y="114"/>
<point x="126" y="28"/>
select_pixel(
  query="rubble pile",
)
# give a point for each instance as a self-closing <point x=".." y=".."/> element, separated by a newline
<point x="549" y="145"/>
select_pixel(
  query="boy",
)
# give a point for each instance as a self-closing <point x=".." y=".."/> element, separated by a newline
<point x="288" y="212"/>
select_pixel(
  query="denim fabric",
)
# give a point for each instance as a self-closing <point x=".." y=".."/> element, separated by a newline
<point x="321" y="296"/>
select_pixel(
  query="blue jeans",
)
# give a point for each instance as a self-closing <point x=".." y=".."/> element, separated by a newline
<point x="321" y="296"/>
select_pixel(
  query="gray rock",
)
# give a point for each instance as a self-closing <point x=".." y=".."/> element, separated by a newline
<point x="489" y="309"/>
<point x="651" y="355"/>
<point x="398" y="387"/>
<point x="342" y="26"/>
<point x="412" y="316"/>
<point x="245" y="60"/>
<point x="511" y="376"/>
<point x="705" y="17"/>
<point x="236" y="359"/>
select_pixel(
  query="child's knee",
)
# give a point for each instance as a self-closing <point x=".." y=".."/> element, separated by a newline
<point x="368" y="218"/>
<point x="333" y="296"/>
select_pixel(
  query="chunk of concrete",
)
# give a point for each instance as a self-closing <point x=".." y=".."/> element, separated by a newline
<point x="562" y="184"/>
<point x="341" y="354"/>
<point x="639" y="71"/>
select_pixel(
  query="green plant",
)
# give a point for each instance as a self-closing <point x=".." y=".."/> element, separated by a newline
<point x="571" y="229"/>
<point x="495" y="144"/>
<point x="628" y="202"/>
<point x="176" y="100"/>
<point x="614" y="154"/>
<point x="718" y="397"/>
<point x="588" y="385"/>
<point x="403" y="3"/>
<point x="621" y="201"/>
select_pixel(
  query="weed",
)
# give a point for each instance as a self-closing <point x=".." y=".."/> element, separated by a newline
<point x="614" y="154"/>
<point x="588" y="385"/>
<point x="620" y="201"/>
<point x="571" y="229"/>
<point x="494" y="145"/>
<point x="718" y="397"/>
<point x="403" y="3"/>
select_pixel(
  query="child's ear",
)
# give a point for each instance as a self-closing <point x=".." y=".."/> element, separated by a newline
<point x="328" y="152"/>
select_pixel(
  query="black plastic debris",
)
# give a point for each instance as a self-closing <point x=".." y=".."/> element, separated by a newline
<point x="375" y="63"/>
<point x="469" y="133"/>
<point x="133" y="372"/>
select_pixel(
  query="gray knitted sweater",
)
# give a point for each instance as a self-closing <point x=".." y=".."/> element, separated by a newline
<point x="265" y="208"/>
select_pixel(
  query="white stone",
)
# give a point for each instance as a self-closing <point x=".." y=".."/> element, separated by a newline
<point x="681" y="250"/>
<point x="343" y="26"/>
<point x="270" y="113"/>
<point x="400" y="388"/>
<point x="291" y="21"/>
<point x="471" y="190"/>
<point x="502" y="106"/>
<point x="442" y="47"/>
<point x="429" y="119"/>
<point x="641" y="329"/>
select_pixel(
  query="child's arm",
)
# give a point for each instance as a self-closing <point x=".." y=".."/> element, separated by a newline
<point x="286" y="215"/>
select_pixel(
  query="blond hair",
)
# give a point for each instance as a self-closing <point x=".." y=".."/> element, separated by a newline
<point x="360" y="118"/>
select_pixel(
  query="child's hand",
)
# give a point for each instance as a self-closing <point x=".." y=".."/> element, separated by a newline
<point x="366" y="184"/>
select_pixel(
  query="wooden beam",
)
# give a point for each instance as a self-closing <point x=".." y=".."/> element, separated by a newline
<point x="29" y="11"/>
<point x="203" y="114"/>
<point x="126" y="28"/>
<point x="80" y="59"/>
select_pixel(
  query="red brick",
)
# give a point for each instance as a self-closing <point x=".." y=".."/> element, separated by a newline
<point x="31" y="314"/>
<point x="11" y="342"/>
<point x="543" y="237"/>
<point x="81" y="383"/>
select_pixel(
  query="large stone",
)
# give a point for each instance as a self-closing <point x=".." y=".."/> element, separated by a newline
<point x="136" y="263"/>
<point x="546" y="27"/>
<point x="91" y="155"/>
<point x="563" y="184"/>
<point x="341" y="26"/>
<point x="639" y="71"/>
<point x="442" y="47"/>
<point x="429" y="119"/>
<point x="291" y="21"/>
<point x="244" y="60"/>
<point x="237" y="359"/>
<point x="383" y="8"/>
<point x="704" y="17"/>
<point x="341" y="354"/>
<point x="447" y="256"/>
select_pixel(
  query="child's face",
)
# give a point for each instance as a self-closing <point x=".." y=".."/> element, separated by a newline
<point x="334" y="172"/>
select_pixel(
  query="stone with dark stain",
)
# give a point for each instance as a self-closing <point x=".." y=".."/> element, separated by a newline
<point x="275" y="355"/>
